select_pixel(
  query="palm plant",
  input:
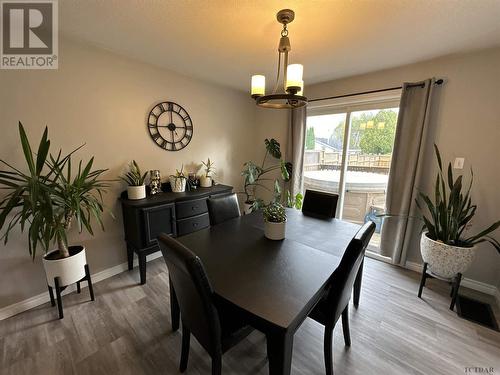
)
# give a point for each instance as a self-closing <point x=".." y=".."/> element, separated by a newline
<point x="448" y="216"/>
<point x="134" y="176"/>
<point x="49" y="197"/>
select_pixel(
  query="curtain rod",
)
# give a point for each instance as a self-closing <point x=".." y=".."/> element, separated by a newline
<point x="438" y="82"/>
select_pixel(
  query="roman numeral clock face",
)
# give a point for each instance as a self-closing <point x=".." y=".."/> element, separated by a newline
<point x="170" y="126"/>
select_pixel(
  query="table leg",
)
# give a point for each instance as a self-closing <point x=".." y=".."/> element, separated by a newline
<point x="174" y="308"/>
<point x="279" y="352"/>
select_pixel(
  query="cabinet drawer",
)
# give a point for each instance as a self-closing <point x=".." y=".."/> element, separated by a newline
<point x="190" y="208"/>
<point x="192" y="224"/>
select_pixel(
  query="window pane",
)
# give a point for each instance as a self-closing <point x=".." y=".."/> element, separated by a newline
<point x="323" y="152"/>
<point x="369" y="160"/>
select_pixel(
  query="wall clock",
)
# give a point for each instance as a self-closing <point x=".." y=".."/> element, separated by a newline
<point x="170" y="126"/>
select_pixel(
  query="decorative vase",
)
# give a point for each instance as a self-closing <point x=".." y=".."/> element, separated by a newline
<point x="136" y="192"/>
<point x="178" y="184"/>
<point x="155" y="181"/>
<point x="205" y="181"/>
<point x="274" y="231"/>
<point x="445" y="260"/>
<point x="69" y="270"/>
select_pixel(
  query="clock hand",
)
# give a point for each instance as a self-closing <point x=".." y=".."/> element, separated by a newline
<point x="173" y="141"/>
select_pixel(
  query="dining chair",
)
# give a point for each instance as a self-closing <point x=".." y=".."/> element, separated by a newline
<point x="335" y="303"/>
<point x="223" y="208"/>
<point x="320" y="204"/>
<point x="217" y="326"/>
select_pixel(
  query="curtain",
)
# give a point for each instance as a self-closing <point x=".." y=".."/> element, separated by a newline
<point x="405" y="172"/>
<point x="295" y="147"/>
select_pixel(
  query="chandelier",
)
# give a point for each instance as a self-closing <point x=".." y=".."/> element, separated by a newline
<point x="293" y="85"/>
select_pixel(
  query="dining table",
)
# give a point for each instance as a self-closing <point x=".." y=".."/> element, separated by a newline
<point x="275" y="284"/>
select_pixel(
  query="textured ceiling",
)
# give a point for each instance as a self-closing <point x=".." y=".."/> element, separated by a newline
<point x="227" y="41"/>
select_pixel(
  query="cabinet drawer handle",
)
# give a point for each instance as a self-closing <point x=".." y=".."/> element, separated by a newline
<point x="194" y="208"/>
<point x="195" y="224"/>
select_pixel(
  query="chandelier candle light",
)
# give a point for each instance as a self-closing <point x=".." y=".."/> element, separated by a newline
<point x="293" y="86"/>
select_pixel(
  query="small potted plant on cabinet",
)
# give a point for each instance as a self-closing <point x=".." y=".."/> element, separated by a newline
<point x="47" y="199"/>
<point x="136" y="189"/>
<point x="444" y="245"/>
<point x="178" y="181"/>
<point x="206" y="179"/>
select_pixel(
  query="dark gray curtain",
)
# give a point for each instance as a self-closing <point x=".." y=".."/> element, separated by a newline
<point x="406" y="168"/>
<point x="295" y="147"/>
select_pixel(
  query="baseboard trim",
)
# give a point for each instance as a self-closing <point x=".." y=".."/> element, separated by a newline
<point x="466" y="282"/>
<point x="40" y="299"/>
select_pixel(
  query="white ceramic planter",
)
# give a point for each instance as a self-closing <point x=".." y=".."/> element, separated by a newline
<point x="445" y="260"/>
<point x="274" y="231"/>
<point x="136" y="192"/>
<point x="178" y="184"/>
<point x="69" y="270"/>
<point x="247" y="208"/>
<point x="205" y="181"/>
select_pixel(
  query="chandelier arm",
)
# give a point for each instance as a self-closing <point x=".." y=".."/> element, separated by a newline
<point x="278" y="74"/>
<point x="285" y="68"/>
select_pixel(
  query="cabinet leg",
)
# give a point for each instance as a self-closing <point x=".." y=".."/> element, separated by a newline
<point x="142" y="268"/>
<point x="58" y="296"/>
<point x="130" y="257"/>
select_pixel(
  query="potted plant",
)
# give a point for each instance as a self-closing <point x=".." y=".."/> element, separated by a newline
<point x="255" y="175"/>
<point x="445" y="244"/>
<point x="47" y="199"/>
<point x="274" y="221"/>
<point x="178" y="181"/>
<point x="136" y="189"/>
<point x="206" y="178"/>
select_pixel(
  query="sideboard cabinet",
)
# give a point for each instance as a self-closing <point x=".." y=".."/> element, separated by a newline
<point x="176" y="214"/>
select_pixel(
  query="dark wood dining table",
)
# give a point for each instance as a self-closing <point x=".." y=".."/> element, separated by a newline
<point x="275" y="283"/>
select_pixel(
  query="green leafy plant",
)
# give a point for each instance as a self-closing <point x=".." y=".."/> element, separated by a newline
<point x="274" y="212"/>
<point x="447" y="217"/>
<point x="134" y="176"/>
<point x="255" y="176"/>
<point x="179" y="173"/>
<point x="50" y="196"/>
<point x="209" y="167"/>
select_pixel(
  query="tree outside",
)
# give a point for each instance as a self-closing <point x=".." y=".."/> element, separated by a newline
<point x="371" y="133"/>
<point x="310" y="138"/>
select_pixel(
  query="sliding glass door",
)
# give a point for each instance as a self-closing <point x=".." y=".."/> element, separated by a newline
<point x="348" y="151"/>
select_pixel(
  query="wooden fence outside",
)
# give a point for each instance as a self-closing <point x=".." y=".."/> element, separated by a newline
<point x="315" y="160"/>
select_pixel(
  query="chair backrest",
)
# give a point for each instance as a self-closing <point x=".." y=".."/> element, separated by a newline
<point x="223" y="208"/>
<point x="320" y="204"/>
<point x="343" y="278"/>
<point x="194" y="293"/>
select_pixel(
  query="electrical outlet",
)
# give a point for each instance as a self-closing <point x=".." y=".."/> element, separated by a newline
<point x="459" y="163"/>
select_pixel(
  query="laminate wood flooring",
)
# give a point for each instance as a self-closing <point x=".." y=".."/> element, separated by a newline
<point x="127" y="331"/>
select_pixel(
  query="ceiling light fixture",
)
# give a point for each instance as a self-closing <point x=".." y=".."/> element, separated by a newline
<point x="293" y="86"/>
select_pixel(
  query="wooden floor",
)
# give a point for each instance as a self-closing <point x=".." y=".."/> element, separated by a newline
<point x="127" y="331"/>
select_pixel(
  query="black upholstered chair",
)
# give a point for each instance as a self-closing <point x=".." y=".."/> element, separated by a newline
<point x="319" y="204"/>
<point x="223" y="208"/>
<point x="335" y="303"/>
<point x="216" y="325"/>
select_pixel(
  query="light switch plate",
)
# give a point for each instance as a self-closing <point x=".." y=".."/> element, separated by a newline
<point x="459" y="163"/>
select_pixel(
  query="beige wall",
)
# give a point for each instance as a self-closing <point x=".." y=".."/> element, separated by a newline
<point x="102" y="99"/>
<point x="466" y="122"/>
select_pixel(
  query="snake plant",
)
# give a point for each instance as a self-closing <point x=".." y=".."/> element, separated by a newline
<point x="447" y="216"/>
